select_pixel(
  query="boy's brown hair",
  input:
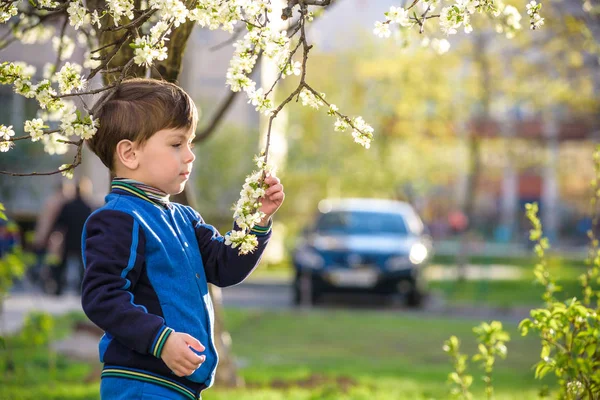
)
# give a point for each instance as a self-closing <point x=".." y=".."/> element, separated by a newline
<point x="138" y="109"/>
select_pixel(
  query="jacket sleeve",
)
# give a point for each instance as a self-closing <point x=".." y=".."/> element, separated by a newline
<point x="113" y="246"/>
<point x="223" y="265"/>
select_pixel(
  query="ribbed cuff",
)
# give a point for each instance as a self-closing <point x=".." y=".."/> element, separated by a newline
<point x="160" y="340"/>
<point x="262" y="230"/>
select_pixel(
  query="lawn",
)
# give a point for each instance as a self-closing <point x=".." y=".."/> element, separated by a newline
<point x="328" y="354"/>
<point x="321" y="354"/>
<point x="503" y="294"/>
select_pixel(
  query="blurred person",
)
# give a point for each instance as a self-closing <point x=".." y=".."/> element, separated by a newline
<point x="9" y="236"/>
<point x="47" y="245"/>
<point x="70" y="221"/>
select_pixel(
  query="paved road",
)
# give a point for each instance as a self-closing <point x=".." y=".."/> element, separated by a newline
<point x="254" y="294"/>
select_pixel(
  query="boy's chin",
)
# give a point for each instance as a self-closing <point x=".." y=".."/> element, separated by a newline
<point x="177" y="191"/>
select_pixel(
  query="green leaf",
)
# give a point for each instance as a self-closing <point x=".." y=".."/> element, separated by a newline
<point x="591" y="349"/>
<point x="541" y="370"/>
<point x="545" y="351"/>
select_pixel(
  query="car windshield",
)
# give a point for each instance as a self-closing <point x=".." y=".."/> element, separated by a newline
<point x="361" y="223"/>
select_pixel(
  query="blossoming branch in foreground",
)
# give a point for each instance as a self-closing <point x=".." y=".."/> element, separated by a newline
<point x="247" y="209"/>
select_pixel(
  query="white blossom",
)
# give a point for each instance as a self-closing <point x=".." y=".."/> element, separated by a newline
<point x="333" y="109"/>
<point x="45" y="94"/>
<point x="440" y="46"/>
<point x="309" y="99"/>
<point x="66" y="46"/>
<point x="66" y="170"/>
<point x="69" y="78"/>
<point x="53" y="144"/>
<point x="157" y="31"/>
<point x="382" y="29"/>
<point x="48" y="3"/>
<point x="6" y="13"/>
<point x="146" y="52"/>
<point x="362" y="133"/>
<point x="536" y="21"/>
<point x="5" y="146"/>
<point x="31" y="31"/>
<point x="95" y="19"/>
<point x="88" y="62"/>
<point x="120" y="8"/>
<point x="257" y="98"/>
<point x="35" y="128"/>
<point x="25" y="88"/>
<point x="6" y="132"/>
<point x="340" y="125"/>
<point x="247" y="209"/>
<point x="78" y="14"/>
<point x="399" y="16"/>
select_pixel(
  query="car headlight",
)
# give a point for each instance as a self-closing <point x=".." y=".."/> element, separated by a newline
<point x="309" y="258"/>
<point x="418" y="253"/>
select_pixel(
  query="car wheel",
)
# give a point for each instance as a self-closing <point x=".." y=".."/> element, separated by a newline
<point x="315" y="293"/>
<point x="414" y="298"/>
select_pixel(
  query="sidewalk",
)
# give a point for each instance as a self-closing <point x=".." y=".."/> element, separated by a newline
<point x="18" y="305"/>
<point x="21" y="302"/>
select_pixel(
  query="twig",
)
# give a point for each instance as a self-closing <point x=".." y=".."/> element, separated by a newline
<point x="95" y="91"/>
<point x="15" y="139"/>
<point x="60" y="46"/>
<point x="133" y="24"/>
<point x="76" y="162"/>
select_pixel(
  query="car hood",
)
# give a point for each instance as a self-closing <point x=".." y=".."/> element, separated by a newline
<point x="364" y="243"/>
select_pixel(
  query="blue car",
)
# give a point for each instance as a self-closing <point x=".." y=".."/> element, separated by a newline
<point x="369" y="245"/>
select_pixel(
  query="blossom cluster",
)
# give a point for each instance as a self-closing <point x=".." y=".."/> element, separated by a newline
<point x="533" y="10"/>
<point x="458" y="15"/>
<point x="361" y="131"/>
<point x="6" y="132"/>
<point x="53" y="107"/>
<point x="247" y="209"/>
<point x="8" y="10"/>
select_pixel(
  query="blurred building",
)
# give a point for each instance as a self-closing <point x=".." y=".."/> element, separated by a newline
<point x="341" y="27"/>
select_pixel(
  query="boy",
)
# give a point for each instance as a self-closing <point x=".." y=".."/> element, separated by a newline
<point x="147" y="260"/>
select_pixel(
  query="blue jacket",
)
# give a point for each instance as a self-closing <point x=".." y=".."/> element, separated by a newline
<point x="146" y="271"/>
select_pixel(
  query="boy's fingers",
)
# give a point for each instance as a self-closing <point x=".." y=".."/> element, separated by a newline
<point x="193" y="343"/>
<point x="188" y="364"/>
<point x="272" y="180"/>
<point x="277" y="196"/>
<point x="274" y="189"/>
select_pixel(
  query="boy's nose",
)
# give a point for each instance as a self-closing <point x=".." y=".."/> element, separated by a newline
<point x="190" y="156"/>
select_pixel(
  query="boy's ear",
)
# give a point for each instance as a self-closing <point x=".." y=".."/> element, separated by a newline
<point x="126" y="155"/>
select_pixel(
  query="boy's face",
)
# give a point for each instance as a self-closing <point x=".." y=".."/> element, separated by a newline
<point x="165" y="160"/>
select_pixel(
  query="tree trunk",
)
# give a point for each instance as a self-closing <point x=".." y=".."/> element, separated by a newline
<point x="474" y="149"/>
<point x="169" y="70"/>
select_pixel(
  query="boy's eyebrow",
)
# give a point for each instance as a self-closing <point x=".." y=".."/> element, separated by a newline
<point x="184" y="135"/>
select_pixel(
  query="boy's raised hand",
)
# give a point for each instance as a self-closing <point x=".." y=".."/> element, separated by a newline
<point x="273" y="197"/>
<point x="179" y="357"/>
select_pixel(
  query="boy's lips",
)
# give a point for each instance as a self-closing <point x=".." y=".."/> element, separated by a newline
<point x="185" y="174"/>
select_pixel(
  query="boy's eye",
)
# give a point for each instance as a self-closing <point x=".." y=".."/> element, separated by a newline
<point x="176" y="145"/>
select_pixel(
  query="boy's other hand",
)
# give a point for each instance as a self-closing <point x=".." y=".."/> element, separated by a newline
<point x="179" y="357"/>
<point x="272" y="199"/>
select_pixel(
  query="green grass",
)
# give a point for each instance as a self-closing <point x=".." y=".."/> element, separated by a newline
<point x="316" y="355"/>
<point x="361" y="354"/>
<point x="501" y="293"/>
<point x="520" y="261"/>
<point x="29" y="371"/>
